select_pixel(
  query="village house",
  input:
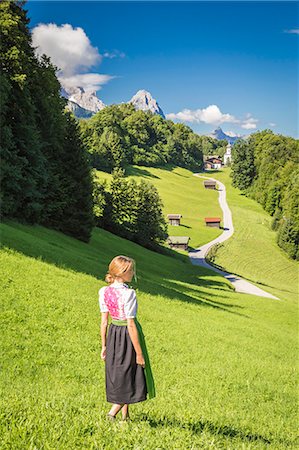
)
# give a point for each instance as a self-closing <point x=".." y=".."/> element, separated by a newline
<point x="213" y="222"/>
<point x="213" y="163"/>
<point x="174" y="219"/>
<point x="179" y="242"/>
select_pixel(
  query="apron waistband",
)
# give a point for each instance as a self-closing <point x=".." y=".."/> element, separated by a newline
<point x="123" y="323"/>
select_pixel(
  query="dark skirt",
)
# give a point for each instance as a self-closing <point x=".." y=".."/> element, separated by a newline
<point x="125" y="380"/>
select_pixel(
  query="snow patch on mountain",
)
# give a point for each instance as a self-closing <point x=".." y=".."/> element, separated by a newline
<point x="143" y="100"/>
<point x="82" y="103"/>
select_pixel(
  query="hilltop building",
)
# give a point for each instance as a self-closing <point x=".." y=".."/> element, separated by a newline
<point x="213" y="163"/>
<point x="227" y="158"/>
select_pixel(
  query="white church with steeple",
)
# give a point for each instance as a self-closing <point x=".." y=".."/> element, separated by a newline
<point x="227" y="157"/>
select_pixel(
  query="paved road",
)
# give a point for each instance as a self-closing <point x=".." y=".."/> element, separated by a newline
<point x="198" y="255"/>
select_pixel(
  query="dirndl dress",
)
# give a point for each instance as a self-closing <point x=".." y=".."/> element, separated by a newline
<point x="126" y="381"/>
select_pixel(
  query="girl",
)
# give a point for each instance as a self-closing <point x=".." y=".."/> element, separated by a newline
<point x="128" y="373"/>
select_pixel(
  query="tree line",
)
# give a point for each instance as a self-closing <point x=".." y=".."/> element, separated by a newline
<point x="119" y="135"/>
<point x="265" y="167"/>
<point x="45" y="173"/>
<point x="130" y="209"/>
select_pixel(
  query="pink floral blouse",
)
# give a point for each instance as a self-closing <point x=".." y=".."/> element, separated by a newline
<point x="119" y="300"/>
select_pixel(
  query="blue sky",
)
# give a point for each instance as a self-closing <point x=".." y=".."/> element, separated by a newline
<point x="233" y="64"/>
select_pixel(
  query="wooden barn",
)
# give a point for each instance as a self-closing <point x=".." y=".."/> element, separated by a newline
<point x="174" y="219"/>
<point x="209" y="184"/>
<point x="213" y="222"/>
<point x="180" y="242"/>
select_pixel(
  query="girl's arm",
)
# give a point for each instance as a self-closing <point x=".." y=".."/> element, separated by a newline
<point x="104" y="325"/>
<point x="133" y="333"/>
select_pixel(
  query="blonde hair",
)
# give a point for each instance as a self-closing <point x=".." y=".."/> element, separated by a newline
<point x="118" y="267"/>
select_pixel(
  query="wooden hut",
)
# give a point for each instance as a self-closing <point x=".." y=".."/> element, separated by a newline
<point x="174" y="219"/>
<point x="180" y="242"/>
<point x="213" y="222"/>
<point x="209" y="184"/>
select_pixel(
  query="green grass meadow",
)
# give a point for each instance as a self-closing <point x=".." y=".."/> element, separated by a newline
<point x="225" y="364"/>
<point x="252" y="251"/>
<point x="181" y="193"/>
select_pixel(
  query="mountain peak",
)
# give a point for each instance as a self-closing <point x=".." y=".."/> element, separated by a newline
<point x="144" y="101"/>
<point x="220" y="135"/>
<point x="87" y="100"/>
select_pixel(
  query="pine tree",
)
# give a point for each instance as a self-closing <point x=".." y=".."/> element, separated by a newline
<point x="23" y="165"/>
<point x="52" y="126"/>
<point x="77" y="218"/>
<point x="151" y="227"/>
<point x="243" y="165"/>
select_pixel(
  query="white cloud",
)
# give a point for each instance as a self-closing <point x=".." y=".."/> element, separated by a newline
<point x="114" y="54"/>
<point x="272" y="124"/>
<point x="72" y="53"/>
<point x="89" y="81"/>
<point x="232" y="134"/>
<point x="292" y="31"/>
<point x="249" y="123"/>
<point x="212" y="115"/>
<point x="69" y="48"/>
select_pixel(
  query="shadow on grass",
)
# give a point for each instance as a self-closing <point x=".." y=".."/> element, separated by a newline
<point x="169" y="274"/>
<point x="259" y="283"/>
<point x="210" y="172"/>
<point x="197" y="427"/>
<point x="196" y="297"/>
<point x="135" y="171"/>
<point x="171" y="168"/>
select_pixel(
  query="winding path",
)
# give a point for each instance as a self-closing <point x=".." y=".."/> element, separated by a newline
<point x="198" y="255"/>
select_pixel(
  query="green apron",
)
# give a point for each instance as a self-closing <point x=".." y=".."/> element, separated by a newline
<point x="150" y="384"/>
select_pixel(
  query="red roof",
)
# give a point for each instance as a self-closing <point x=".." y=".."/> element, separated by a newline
<point x="212" y="219"/>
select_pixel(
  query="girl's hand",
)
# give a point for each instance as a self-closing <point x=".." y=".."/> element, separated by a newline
<point x="140" y="360"/>
<point x="103" y="353"/>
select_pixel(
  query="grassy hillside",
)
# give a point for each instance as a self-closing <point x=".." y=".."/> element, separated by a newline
<point x="224" y="363"/>
<point x="252" y="252"/>
<point x="181" y="193"/>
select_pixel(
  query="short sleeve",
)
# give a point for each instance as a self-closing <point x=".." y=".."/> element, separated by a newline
<point x="130" y="305"/>
<point x="102" y="304"/>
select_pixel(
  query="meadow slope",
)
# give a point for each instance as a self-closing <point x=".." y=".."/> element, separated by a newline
<point x="181" y="193"/>
<point x="252" y="252"/>
<point x="224" y="363"/>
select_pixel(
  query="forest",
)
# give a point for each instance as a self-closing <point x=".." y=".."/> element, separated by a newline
<point x="45" y="172"/>
<point x="265" y="167"/>
<point x="119" y="135"/>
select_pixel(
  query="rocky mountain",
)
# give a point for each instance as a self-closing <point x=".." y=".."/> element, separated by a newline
<point x="220" y="135"/>
<point x="82" y="103"/>
<point x="85" y="104"/>
<point x="78" y="111"/>
<point x="143" y="100"/>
